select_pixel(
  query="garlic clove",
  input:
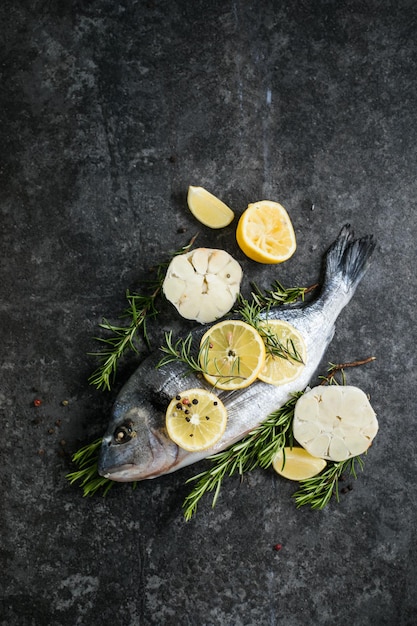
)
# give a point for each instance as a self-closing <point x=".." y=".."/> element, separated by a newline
<point x="338" y="449"/>
<point x="174" y="288"/>
<point x="200" y="260"/>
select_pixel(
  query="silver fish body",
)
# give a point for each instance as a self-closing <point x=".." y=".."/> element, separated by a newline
<point x="136" y="445"/>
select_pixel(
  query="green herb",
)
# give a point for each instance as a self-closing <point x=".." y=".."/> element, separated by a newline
<point x="257" y="449"/>
<point x="141" y="307"/>
<point x="86" y="459"/>
<point x="340" y="368"/>
<point x="251" y="313"/>
<point x="278" y="294"/>
<point x="317" y="491"/>
<point x="180" y="351"/>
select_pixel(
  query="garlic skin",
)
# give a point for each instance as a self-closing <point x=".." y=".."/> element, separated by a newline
<point x="334" y="422"/>
<point x="203" y="284"/>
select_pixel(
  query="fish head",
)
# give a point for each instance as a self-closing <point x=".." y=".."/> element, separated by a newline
<point x="136" y="445"/>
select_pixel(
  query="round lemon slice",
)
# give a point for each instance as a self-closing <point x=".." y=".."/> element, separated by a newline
<point x="232" y="354"/>
<point x="297" y="464"/>
<point x="208" y="209"/>
<point x="196" y="419"/>
<point x="265" y="232"/>
<point x="286" y="352"/>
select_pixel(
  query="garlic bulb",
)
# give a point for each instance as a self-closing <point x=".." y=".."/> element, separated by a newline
<point x="203" y="284"/>
<point x="334" y="422"/>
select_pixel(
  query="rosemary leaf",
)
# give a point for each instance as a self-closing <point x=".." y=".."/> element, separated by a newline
<point x="141" y="308"/>
<point x="251" y="314"/>
<point x="86" y="459"/>
<point x="317" y="491"/>
<point x="278" y="294"/>
<point x="180" y="351"/>
<point x="256" y="449"/>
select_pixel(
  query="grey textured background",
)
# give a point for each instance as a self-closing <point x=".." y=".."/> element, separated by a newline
<point x="108" y="111"/>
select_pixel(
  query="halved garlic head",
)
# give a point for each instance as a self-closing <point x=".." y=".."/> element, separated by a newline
<point x="203" y="284"/>
<point x="334" y="422"/>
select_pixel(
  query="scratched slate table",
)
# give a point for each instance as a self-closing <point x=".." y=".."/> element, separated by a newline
<point x="109" y="110"/>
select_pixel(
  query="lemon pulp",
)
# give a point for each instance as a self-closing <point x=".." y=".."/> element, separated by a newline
<point x="232" y="354"/>
<point x="196" y="419"/>
<point x="282" y="336"/>
<point x="297" y="464"/>
<point x="208" y="209"/>
<point x="265" y="232"/>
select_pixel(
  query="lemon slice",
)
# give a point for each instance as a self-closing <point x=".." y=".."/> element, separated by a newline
<point x="208" y="209"/>
<point x="232" y="354"/>
<point x="282" y="338"/>
<point x="196" y="419"/>
<point x="265" y="233"/>
<point x="297" y="464"/>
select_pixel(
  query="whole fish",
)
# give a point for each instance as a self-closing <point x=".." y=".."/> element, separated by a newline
<point x="136" y="445"/>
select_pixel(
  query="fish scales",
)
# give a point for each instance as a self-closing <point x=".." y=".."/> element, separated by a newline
<point x="139" y="409"/>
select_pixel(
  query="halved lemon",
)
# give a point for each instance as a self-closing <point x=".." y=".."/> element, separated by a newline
<point x="297" y="464"/>
<point x="265" y="232"/>
<point x="208" y="209"/>
<point x="232" y="353"/>
<point x="286" y="352"/>
<point x="196" y="419"/>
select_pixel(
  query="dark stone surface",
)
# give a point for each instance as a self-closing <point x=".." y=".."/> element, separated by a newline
<point x="109" y="110"/>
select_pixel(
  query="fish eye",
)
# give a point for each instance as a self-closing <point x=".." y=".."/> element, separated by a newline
<point x="124" y="433"/>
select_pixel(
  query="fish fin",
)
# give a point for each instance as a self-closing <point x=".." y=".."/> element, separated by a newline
<point x="347" y="259"/>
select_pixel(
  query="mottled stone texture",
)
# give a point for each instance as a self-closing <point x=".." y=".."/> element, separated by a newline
<point x="108" y="111"/>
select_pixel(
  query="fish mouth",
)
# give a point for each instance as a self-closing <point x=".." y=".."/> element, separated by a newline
<point x="119" y="473"/>
<point x="126" y="473"/>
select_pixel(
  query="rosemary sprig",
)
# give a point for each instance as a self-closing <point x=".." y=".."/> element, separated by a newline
<point x="340" y="368"/>
<point x="317" y="491"/>
<point x="279" y="294"/>
<point x="257" y="449"/>
<point x="251" y="313"/>
<point x="86" y="459"/>
<point x="141" y="307"/>
<point x="180" y="351"/>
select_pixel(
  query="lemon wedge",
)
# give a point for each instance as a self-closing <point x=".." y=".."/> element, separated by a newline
<point x="208" y="209"/>
<point x="196" y="419"/>
<point x="297" y="464"/>
<point x="265" y="232"/>
<point x="232" y="354"/>
<point x="286" y="352"/>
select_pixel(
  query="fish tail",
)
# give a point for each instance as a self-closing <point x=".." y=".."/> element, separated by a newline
<point x="347" y="261"/>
